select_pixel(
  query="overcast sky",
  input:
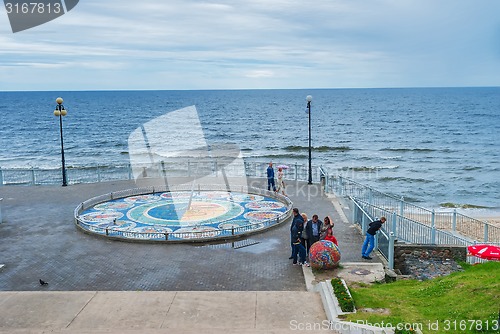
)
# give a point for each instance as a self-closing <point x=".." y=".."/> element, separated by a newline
<point x="188" y="44"/>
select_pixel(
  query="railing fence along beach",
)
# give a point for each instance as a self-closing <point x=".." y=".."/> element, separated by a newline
<point x="92" y="174"/>
<point x="407" y="222"/>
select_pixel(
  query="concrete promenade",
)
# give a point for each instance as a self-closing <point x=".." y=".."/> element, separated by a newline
<point x="99" y="285"/>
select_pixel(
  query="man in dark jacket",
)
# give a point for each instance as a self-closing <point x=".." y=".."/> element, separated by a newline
<point x="369" y="243"/>
<point x="313" y="231"/>
<point x="270" y="177"/>
<point x="296" y="228"/>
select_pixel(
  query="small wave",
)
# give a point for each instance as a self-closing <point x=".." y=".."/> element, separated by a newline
<point x="463" y="206"/>
<point x="285" y="156"/>
<point x="403" y="179"/>
<point x="397" y="157"/>
<point x="369" y="168"/>
<point x="471" y="168"/>
<point x="409" y="150"/>
<point x="297" y="148"/>
<point x="124" y="152"/>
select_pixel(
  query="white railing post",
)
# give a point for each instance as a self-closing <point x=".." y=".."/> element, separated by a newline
<point x="391" y="250"/>
<point x="33" y="176"/>
<point x="1" y="177"/>
<point x="485" y="232"/>
<point x="130" y="171"/>
<point x="454" y="221"/>
<point x="341" y="186"/>
<point x="433" y="227"/>
<point x="98" y="173"/>
<point x="1" y="199"/>
<point x="402" y="207"/>
<point x="296" y="172"/>
<point x="394" y="218"/>
<point x="355" y="210"/>
<point x="363" y="224"/>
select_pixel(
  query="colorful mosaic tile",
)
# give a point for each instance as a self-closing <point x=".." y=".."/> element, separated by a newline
<point x="182" y="215"/>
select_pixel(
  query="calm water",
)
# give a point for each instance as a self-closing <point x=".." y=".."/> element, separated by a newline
<point x="431" y="145"/>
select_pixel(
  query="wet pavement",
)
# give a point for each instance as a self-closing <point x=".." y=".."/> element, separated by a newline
<point x="39" y="240"/>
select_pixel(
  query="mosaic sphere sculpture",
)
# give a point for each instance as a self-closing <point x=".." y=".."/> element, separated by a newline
<point x="324" y="254"/>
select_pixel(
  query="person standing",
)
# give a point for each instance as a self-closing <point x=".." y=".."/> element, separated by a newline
<point x="281" y="181"/>
<point x="298" y="250"/>
<point x="369" y="243"/>
<point x="313" y="231"/>
<point x="270" y="177"/>
<point x="330" y="237"/>
<point x="304" y="230"/>
<point x="295" y="229"/>
<point x="327" y="223"/>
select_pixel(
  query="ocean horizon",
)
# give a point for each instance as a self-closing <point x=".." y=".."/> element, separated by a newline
<point x="430" y="145"/>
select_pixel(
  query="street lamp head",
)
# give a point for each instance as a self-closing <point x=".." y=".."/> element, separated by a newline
<point x="59" y="100"/>
<point x="64" y="112"/>
<point x="309" y="98"/>
<point x="57" y="113"/>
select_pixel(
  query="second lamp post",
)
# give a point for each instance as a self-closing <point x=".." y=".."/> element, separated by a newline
<point x="309" y="99"/>
<point x="60" y="112"/>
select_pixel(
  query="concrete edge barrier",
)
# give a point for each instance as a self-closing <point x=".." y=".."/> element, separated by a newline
<point x="328" y="301"/>
<point x="332" y="311"/>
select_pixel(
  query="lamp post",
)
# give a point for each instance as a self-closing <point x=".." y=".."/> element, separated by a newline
<point x="60" y="112"/>
<point x="309" y="99"/>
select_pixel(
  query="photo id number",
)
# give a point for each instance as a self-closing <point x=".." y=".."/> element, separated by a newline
<point x="33" y="8"/>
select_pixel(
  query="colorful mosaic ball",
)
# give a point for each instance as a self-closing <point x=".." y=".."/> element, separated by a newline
<point x="324" y="254"/>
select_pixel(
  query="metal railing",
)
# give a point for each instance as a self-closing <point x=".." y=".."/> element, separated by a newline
<point x="451" y="221"/>
<point x="428" y="221"/>
<point x="113" y="231"/>
<point x="171" y="167"/>
<point x="404" y="229"/>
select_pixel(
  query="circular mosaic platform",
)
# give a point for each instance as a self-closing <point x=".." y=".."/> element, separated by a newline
<point x="183" y="215"/>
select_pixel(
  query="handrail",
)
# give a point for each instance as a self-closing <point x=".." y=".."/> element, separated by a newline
<point x="340" y="185"/>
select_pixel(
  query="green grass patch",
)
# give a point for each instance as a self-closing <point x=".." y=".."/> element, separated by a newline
<point x="463" y="302"/>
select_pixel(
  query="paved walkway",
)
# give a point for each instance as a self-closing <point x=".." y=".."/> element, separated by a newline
<point x="159" y="312"/>
<point x="39" y="240"/>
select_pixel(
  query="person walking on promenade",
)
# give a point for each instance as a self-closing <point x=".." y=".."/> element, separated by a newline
<point x="281" y="181"/>
<point x="369" y="243"/>
<point x="270" y="177"/>
<point x="296" y="227"/>
<point x="313" y="231"/>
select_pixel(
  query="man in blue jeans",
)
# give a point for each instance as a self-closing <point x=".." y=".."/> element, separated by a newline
<point x="270" y="177"/>
<point x="369" y="243"/>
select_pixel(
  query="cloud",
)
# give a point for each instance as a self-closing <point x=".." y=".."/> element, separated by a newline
<point x="260" y="74"/>
<point x="279" y="44"/>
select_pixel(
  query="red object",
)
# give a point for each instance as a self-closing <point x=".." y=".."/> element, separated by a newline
<point x="332" y="239"/>
<point x="484" y="251"/>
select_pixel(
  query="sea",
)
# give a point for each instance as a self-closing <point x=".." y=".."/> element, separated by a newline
<point x="429" y="145"/>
